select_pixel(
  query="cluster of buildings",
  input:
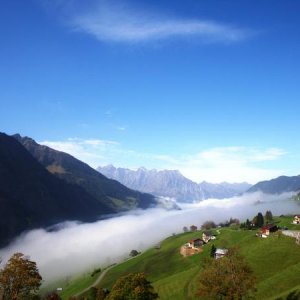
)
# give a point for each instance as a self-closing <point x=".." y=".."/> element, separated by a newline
<point x="265" y="231"/>
<point x="194" y="246"/>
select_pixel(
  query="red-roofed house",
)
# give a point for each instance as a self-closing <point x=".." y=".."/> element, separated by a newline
<point x="265" y="230"/>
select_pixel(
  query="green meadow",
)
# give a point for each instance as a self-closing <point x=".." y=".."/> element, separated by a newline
<point x="274" y="260"/>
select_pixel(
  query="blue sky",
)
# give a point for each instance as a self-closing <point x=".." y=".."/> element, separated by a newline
<point x="207" y="87"/>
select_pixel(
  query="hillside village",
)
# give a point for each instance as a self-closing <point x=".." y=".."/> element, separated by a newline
<point x="262" y="241"/>
<point x="262" y="225"/>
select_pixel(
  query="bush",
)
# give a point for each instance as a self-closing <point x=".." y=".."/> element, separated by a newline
<point x="134" y="253"/>
<point x="208" y="225"/>
<point x="96" y="271"/>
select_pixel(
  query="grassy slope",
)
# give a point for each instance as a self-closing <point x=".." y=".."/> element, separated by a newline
<point x="78" y="285"/>
<point x="275" y="262"/>
<point x="71" y="286"/>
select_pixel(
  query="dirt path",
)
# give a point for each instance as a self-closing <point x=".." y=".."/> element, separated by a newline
<point x="103" y="273"/>
<point x="101" y="276"/>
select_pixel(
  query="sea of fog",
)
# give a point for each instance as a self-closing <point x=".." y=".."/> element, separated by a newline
<point x="77" y="247"/>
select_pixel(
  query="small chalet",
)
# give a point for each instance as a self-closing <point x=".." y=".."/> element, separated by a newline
<point x="196" y="243"/>
<point x="192" y="247"/>
<point x="207" y="236"/>
<point x="296" y="219"/>
<point x="266" y="230"/>
<point x="220" y="253"/>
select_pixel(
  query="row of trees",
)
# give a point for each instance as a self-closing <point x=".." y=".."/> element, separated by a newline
<point x="211" y="225"/>
<point x="258" y="221"/>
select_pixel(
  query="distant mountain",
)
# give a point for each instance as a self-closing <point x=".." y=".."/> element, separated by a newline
<point x="108" y="192"/>
<point x="171" y="183"/>
<point x="278" y="185"/>
<point x="31" y="197"/>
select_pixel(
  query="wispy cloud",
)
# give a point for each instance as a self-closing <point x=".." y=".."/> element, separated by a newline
<point x="91" y="151"/>
<point x="117" y="22"/>
<point x="121" y="128"/>
<point x="232" y="164"/>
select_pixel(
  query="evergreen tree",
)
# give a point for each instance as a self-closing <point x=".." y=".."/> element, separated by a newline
<point x="248" y="224"/>
<point x="268" y="216"/>
<point x="260" y="220"/>
<point x="213" y="251"/>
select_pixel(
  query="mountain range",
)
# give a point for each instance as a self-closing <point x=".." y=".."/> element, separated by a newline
<point x="40" y="187"/>
<point x="171" y="183"/>
<point x="109" y="192"/>
<point x="277" y="185"/>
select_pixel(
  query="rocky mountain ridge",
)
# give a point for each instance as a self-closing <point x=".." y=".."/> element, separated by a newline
<point x="171" y="183"/>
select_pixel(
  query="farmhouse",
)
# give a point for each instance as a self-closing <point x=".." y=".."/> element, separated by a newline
<point x="194" y="246"/>
<point x="220" y="253"/>
<point x="196" y="243"/>
<point x="296" y="219"/>
<point x="207" y="236"/>
<point x="266" y="230"/>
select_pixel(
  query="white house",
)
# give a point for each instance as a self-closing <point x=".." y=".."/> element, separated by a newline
<point x="220" y="253"/>
<point x="296" y="219"/>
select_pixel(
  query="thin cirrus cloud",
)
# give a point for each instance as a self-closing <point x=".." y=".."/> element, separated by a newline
<point x="119" y="23"/>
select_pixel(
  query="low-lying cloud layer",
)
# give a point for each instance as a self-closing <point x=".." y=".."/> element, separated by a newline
<point x="79" y="247"/>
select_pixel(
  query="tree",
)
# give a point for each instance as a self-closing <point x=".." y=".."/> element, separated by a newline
<point x="92" y="293"/>
<point x="185" y="229"/>
<point x="268" y="216"/>
<point x="208" y="225"/>
<point x="234" y="221"/>
<point x="20" y="279"/>
<point x="213" y="251"/>
<point x="52" y="296"/>
<point x="259" y="220"/>
<point x="133" y="286"/>
<point x="193" y="228"/>
<point x="134" y="253"/>
<point x="227" y="278"/>
<point x="101" y="294"/>
<point x="248" y="224"/>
